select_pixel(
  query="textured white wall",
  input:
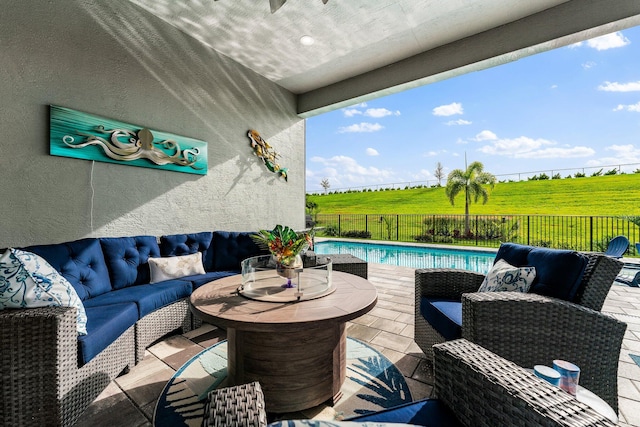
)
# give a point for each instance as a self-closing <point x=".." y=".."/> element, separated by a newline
<point x="115" y="60"/>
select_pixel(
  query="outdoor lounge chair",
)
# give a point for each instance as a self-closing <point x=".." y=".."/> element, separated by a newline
<point x="617" y="247"/>
<point x="528" y="328"/>
<point x="473" y="387"/>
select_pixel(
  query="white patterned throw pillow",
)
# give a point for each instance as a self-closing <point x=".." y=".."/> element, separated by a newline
<point x="505" y="277"/>
<point x="175" y="267"/>
<point x="28" y="280"/>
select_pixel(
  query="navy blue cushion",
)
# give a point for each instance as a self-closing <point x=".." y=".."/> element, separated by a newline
<point x="444" y="316"/>
<point x="201" y="279"/>
<point x="558" y="272"/>
<point x="426" y="412"/>
<point x="105" y="324"/>
<point x="147" y="297"/>
<point x="185" y="244"/>
<point x="127" y="259"/>
<point x="513" y="253"/>
<point x="229" y="249"/>
<point x="81" y="262"/>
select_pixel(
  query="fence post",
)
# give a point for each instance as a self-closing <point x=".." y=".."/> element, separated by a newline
<point x="476" y="230"/>
<point x="397" y="227"/>
<point x="366" y="223"/>
<point x="528" y="230"/>
<point x="339" y="227"/>
<point x="591" y="233"/>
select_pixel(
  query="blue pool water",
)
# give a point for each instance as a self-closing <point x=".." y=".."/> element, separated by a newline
<point x="410" y="256"/>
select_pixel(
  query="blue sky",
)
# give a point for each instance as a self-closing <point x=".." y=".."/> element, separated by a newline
<point x="574" y="107"/>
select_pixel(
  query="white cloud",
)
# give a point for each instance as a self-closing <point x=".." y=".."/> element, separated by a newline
<point x="559" y="152"/>
<point x="608" y="41"/>
<point x="361" y="127"/>
<point x="588" y="65"/>
<point x="372" y="152"/>
<point x="486" y="135"/>
<point x="620" y="87"/>
<point x="554" y="86"/>
<point x="621" y="154"/>
<point x="380" y="112"/>
<point x="459" y="122"/>
<point x="434" y="153"/>
<point x="528" y="148"/>
<point x="448" y="110"/>
<point x="344" y="171"/>
<point x="422" y="175"/>
<point x="631" y="107"/>
<point x="369" y="112"/>
<point x="351" y="112"/>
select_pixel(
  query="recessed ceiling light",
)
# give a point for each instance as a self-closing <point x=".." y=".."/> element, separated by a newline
<point x="307" y="40"/>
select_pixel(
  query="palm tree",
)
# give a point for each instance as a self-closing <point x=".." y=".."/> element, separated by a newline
<point x="471" y="181"/>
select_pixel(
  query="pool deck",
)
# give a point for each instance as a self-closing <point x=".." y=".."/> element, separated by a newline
<point x="130" y="399"/>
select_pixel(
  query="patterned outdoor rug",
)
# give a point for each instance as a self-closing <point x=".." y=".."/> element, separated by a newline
<point x="373" y="383"/>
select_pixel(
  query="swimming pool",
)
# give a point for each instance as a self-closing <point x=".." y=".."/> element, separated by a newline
<point x="410" y="256"/>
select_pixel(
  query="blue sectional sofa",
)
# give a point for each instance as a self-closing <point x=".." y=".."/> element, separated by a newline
<point x="50" y="374"/>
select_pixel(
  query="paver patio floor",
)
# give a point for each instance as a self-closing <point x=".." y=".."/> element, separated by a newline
<point x="130" y="399"/>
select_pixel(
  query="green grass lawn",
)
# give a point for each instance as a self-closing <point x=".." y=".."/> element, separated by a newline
<point x="614" y="195"/>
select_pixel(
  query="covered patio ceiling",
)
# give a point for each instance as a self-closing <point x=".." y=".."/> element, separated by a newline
<point x="363" y="49"/>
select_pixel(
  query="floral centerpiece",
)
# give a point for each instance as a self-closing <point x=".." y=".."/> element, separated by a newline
<point x="284" y="244"/>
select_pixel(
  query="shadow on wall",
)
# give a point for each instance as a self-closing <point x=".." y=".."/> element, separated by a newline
<point x="115" y="60"/>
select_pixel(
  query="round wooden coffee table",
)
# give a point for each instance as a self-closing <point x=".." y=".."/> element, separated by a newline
<point x="296" y="350"/>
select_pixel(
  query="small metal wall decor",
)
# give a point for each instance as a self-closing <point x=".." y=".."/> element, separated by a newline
<point x="86" y="136"/>
<point x="266" y="153"/>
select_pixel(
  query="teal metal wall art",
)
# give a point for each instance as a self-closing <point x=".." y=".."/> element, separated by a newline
<point x="85" y="136"/>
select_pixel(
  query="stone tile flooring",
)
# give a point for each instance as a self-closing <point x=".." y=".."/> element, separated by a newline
<point x="130" y="399"/>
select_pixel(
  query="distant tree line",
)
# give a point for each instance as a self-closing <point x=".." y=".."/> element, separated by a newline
<point x="439" y="175"/>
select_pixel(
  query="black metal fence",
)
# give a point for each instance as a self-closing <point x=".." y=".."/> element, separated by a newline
<point x="582" y="233"/>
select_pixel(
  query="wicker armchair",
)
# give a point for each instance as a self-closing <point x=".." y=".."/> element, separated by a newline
<point x="530" y="329"/>
<point x="478" y="387"/>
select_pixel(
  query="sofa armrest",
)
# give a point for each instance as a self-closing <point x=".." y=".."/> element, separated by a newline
<point x="531" y="329"/>
<point x="39" y="348"/>
<point x="446" y="283"/>
<point x="485" y="389"/>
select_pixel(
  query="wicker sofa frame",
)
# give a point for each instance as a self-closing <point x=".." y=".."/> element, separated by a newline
<point x="480" y="387"/>
<point x="531" y="329"/>
<point x="41" y="382"/>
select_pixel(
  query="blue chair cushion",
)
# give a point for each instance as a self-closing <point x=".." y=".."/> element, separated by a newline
<point x="81" y="262"/>
<point x="210" y="276"/>
<point x="105" y="324"/>
<point x="147" y="297"/>
<point x="558" y="272"/>
<point x="185" y="244"/>
<point x="426" y="412"/>
<point x="444" y="316"/>
<point x="127" y="259"/>
<point x="229" y="249"/>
